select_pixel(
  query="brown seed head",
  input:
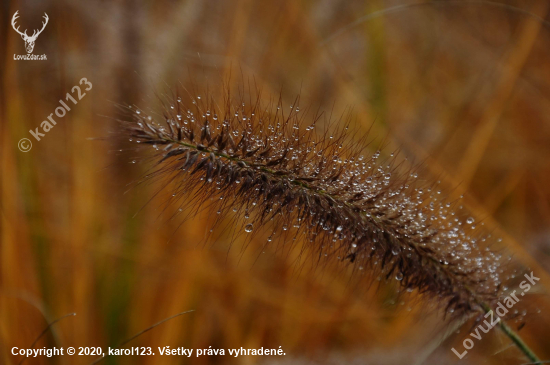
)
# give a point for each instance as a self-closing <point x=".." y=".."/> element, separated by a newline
<point x="275" y="165"/>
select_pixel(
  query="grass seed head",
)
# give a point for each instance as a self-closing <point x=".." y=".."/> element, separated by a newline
<point x="273" y="163"/>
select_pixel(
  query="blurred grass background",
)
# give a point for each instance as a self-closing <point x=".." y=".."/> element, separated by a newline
<point x="462" y="86"/>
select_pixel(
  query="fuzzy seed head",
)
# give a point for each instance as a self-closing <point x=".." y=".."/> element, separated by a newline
<point x="269" y="163"/>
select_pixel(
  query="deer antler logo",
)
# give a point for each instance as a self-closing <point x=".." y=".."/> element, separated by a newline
<point x="29" y="41"/>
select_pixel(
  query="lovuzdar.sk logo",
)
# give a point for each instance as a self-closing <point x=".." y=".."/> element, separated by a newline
<point x="29" y="40"/>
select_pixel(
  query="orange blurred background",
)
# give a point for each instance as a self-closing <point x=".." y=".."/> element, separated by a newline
<point x="463" y="87"/>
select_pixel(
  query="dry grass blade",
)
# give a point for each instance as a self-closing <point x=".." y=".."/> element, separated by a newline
<point x="142" y="332"/>
<point x="46" y="331"/>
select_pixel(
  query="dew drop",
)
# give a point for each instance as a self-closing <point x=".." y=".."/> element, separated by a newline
<point x="249" y="227"/>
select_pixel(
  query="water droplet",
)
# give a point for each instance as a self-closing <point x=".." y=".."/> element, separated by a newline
<point x="399" y="276"/>
<point x="470" y="220"/>
<point x="249" y="227"/>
